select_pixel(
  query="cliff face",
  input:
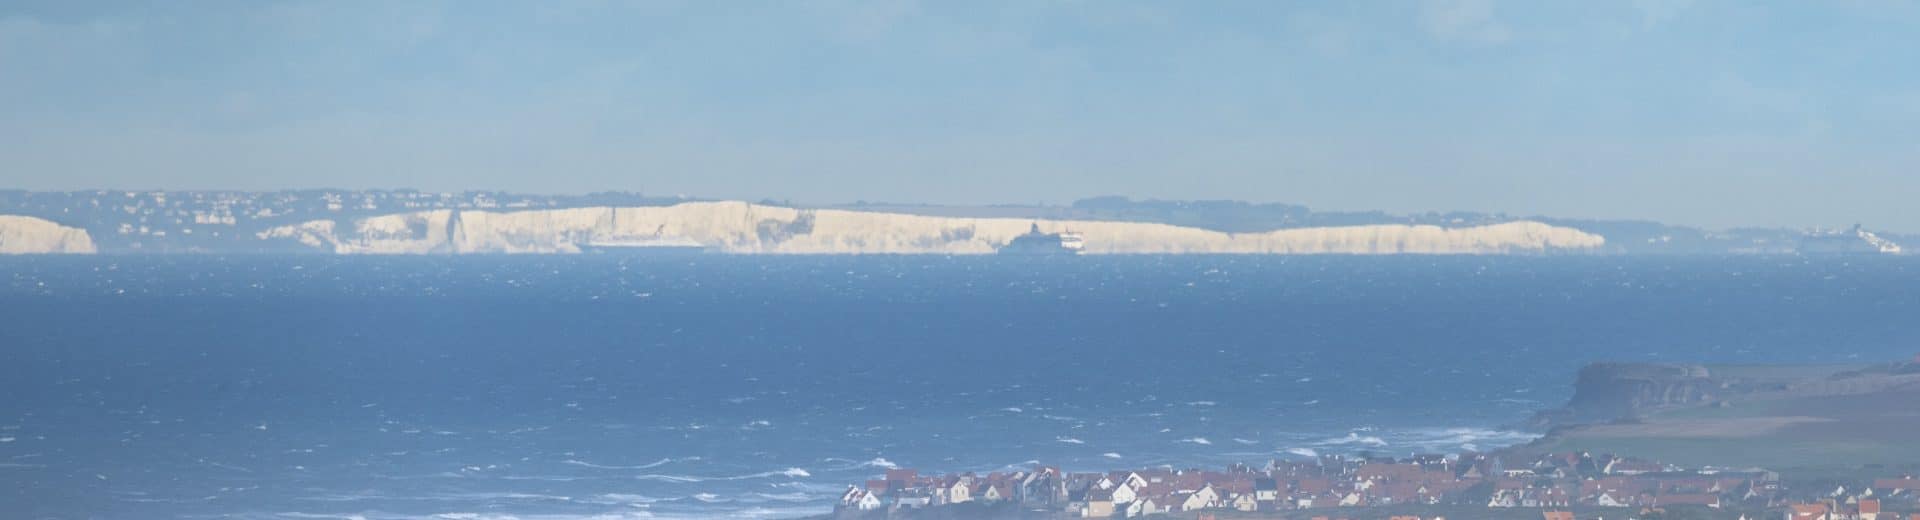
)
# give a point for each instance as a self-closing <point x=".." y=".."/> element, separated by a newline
<point x="738" y="227"/>
<point x="29" y="235"/>
<point x="1612" y="391"/>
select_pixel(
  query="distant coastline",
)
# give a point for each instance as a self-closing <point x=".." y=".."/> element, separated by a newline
<point x="413" y="222"/>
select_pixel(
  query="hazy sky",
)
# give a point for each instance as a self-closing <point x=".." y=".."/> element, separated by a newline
<point x="1701" y="112"/>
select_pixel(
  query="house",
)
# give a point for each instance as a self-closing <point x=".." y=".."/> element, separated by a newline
<point x="1244" y="502"/>
<point x="1712" y="501"/>
<point x="1265" y="489"/>
<point x="1868" y="509"/>
<point x="1204" y="498"/>
<point x="1613" y="499"/>
<point x="1045" y="485"/>
<point x="1898" y="486"/>
<point x="1123" y="478"/>
<point x="1557" y="515"/>
<point x="1099" y="504"/>
<point x="1123" y="494"/>
<point x="859" y="500"/>
<point x="903" y="476"/>
<point x="912" y="501"/>
<point x="957" y="490"/>
<point x="1808" y="512"/>
<point x="994" y="491"/>
<point x="1144" y="507"/>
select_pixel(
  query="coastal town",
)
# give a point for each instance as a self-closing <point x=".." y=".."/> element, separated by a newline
<point x="1560" y="486"/>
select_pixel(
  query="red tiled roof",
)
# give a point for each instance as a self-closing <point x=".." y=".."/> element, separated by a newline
<point x="1698" y="500"/>
<point x="1807" y="511"/>
<point x="1897" y="483"/>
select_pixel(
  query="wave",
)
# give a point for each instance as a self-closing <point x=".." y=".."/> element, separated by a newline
<point x="812" y="487"/>
<point x="1353" y="438"/>
<point x="682" y="479"/>
<point x="1470" y="439"/>
<point x="650" y="465"/>
<point x="1304" y="452"/>
<point x="763" y="512"/>
<point x="622" y="498"/>
<point x="1070" y="440"/>
<point x="343" y="516"/>
<point x="622" y="515"/>
<point x="850" y="464"/>
<point x="441" y="497"/>
<point x="629" y="515"/>
<point x="1198" y="440"/>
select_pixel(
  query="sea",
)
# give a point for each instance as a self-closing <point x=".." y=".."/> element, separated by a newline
<point x="715" y="386"/>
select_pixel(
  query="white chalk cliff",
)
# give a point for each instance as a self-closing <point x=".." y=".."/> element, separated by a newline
<point x="739" y="227"/>
<point x="29" y="235"/>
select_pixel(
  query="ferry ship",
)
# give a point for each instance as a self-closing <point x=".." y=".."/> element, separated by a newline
<point x="1036" y="243"/>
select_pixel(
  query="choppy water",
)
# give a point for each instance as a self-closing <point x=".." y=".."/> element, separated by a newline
<point x="701" y="386"/>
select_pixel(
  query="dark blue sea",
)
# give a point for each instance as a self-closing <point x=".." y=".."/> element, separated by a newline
<point x="759" y="387"/>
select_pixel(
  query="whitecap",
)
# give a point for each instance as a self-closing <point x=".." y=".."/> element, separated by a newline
<point x="1110" y="455"/>
<point x="1355" y="438"/>
<point x="784" y="497"/>
<point x="649" y="465"/>
<point x="1070" y="440"/>
<point x="1199" y="440"/>
<point x="297" y="514"/>
<point x="1304" y="452"/>
<point x="789" y="472"/>
<point x="879" y="462"/>
<point x="624" y="498"/>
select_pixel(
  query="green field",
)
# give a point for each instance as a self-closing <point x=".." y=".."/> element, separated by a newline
<point x="1809" y="433"/>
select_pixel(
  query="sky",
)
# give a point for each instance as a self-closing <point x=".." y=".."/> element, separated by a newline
<point x="1703" y="112"/>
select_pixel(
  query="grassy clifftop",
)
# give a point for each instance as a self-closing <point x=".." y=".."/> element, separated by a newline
<point x="1778" y="417"/>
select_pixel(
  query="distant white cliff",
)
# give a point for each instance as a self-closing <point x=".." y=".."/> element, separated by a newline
<point x="739" y="227"/>
<point x="29" y="235"/>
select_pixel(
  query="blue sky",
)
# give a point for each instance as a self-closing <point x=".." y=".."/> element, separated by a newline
<point x="1700" y="112"/>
